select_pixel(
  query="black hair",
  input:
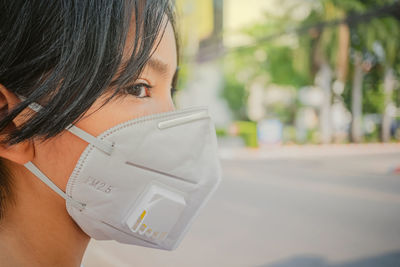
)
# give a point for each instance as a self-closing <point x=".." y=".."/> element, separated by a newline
<point x="64" y="54"/>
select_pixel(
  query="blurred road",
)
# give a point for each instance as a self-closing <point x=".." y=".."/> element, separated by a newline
<point x="314" y="207"/>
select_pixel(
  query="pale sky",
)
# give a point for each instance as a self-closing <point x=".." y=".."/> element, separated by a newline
<point x="241" y="13"/>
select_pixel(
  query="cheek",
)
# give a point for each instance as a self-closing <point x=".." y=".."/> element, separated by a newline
<point x="124" y="109"/>
<point x="58" y="156"/>
<point x="163" y="102"/>
<point x="157" y="103"/>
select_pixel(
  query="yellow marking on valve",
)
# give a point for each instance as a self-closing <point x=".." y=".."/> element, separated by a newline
<point x="142" y="215"/>
<point x="139" y="220"/>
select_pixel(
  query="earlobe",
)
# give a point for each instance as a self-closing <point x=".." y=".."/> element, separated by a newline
<point x="19" y="153"/>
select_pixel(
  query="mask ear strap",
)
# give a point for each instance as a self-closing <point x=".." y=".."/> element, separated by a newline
<point x="35" y="170"/>
<point x="103" y="145"/>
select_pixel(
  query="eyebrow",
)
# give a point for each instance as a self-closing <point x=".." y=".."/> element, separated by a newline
<point x="158" y="66"/>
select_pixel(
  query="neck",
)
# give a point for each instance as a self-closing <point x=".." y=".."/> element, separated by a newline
<point x="38" y="231"/>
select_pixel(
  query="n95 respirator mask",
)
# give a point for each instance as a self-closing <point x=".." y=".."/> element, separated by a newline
<point x="143" y="182"/>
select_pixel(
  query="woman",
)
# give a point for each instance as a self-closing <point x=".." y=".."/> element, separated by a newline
<point x="80" y="155"/>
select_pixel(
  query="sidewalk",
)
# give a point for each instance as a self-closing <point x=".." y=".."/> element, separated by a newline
<point x="303" y="151"/>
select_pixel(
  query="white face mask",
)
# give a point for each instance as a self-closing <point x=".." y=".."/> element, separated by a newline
<point x="143" y="182"/>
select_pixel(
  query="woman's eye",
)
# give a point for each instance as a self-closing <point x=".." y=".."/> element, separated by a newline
<point x="140" y="90"/>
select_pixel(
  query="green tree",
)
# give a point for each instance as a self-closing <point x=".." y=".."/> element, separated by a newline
<point x="379" y="39"/>
<point x="331" y="53"/>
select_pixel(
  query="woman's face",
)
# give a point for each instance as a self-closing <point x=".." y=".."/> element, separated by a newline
<point x="150" y="94"/>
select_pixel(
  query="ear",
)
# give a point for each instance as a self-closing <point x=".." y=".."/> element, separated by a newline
<point x="19" y="153"/>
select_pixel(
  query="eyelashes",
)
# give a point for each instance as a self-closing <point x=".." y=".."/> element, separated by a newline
<point x="143" y="90"/>
<point x="139" y="90"/>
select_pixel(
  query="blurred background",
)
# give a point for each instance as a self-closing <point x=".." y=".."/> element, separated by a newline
<point x="294" y="71"/>
<point x="305" y="95"/>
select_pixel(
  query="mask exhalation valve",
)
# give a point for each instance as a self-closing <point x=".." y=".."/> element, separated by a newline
<point x="156" y="213"/>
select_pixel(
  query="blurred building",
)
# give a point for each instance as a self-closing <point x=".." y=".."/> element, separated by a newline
<point x="201" y="25"/>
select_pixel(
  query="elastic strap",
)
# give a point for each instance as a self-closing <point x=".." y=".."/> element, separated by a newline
<point x="103" y="145"/>
<point x="35" y="170"/>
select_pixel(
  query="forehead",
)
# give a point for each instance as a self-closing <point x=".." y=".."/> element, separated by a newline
<point x="164" y="52"/>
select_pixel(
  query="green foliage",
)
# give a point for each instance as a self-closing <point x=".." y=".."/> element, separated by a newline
<point x="372" y="92"/>
<point x="373" y="101"/>
<point x="221" y="132"/>
<point x="292" y="59"/>
<point x="281" y="67"/>
<point x="235" y="94"/>
<point x="346" y="5"/>
<point x="279" y="63"/>
<point x="248" y="131"/>
<point x="183" y="74"/>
